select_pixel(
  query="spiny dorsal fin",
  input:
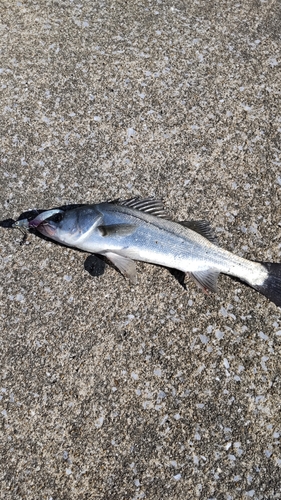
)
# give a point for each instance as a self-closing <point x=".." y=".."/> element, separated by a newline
<point x="201" y="227"/>
<point x="148" y="205"/>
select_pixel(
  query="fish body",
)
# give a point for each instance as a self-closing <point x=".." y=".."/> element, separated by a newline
<point x="140" y="230"/>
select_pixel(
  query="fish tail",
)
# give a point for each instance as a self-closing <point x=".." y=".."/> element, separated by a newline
<point x="271" y="286"/>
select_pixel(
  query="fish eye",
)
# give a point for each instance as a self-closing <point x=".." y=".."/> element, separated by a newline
<point x="56" y="217"/>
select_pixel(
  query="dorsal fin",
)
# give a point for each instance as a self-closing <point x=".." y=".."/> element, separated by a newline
<point x="201" y="227"/>
<point x="148" y="205"/>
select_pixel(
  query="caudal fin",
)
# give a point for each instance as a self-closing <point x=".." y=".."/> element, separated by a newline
<point x="271" y="287"/>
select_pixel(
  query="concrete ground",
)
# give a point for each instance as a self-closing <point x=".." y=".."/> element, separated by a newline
<point x="114" y="391"/>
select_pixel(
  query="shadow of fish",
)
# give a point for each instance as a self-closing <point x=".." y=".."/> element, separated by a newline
<point x="140" y="230"/>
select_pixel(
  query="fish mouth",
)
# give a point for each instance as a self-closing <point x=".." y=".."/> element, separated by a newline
<point x="41" y="218"/>
<point x="46" y="228"/>
<point x="40" y="223"/>
<point x="43" y="225"/>
<point x="34" y="223"/>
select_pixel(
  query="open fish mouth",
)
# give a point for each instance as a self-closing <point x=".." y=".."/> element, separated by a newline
<point x="46" y="228"/>
<point x="26" y="224"/>
<point x="41" y="218"/>
<point x="42" y="224"/>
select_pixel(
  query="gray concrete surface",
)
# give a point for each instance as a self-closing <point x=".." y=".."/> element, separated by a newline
<point x="113" y="391"/>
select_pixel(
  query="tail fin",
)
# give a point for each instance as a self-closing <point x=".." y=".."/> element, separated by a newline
<point x="271" y="287"/>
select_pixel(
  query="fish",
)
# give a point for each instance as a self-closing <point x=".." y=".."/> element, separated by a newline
<point x="126" y="231"/>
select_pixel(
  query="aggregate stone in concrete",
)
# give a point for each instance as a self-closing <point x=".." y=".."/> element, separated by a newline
<point x="114" y="391"/>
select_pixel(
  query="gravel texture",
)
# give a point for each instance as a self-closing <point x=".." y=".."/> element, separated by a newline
<point x="113" y="391"/>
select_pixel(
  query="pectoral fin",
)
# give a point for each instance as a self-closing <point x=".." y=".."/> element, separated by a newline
<point x="207" y="280"/>
<point x="125" y="265"/>
<point x="117" y="229"/>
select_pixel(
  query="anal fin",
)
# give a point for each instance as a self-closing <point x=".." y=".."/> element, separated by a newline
<point x="207" y="280"/>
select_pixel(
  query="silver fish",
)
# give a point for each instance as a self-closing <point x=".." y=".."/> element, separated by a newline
<point x="139" y="229"/>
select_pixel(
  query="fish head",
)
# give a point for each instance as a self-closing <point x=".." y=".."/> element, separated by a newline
<point x="67" y="226"/>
